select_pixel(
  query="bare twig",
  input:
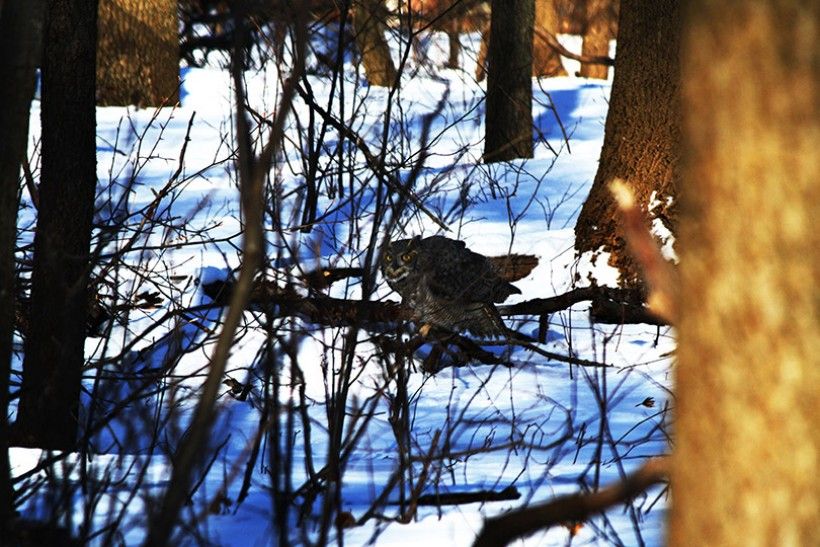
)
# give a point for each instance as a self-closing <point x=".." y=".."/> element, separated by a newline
<point x="659" y="274"/>
<point x="372" y="161"/>
<point x="252" y="174"/>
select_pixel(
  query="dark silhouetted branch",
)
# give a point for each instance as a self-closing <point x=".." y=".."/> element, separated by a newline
<point x="460" y="498"/>
<point x="503" y="529"/>
<point x="609" y="305"/>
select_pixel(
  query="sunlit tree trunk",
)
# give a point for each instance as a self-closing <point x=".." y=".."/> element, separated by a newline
<point x="54" y="350"/>
<point x="369" y="28"/>
<point x="508" y="123"/>
<point x="642" y="131"/>
<point x="597" y="33"/>
<point x="746" y="459"/>
<point x="545" y="60"/>
<point x="21" y="34"/>
<point x="571" y="16"/>
<point x="138" y="60"/>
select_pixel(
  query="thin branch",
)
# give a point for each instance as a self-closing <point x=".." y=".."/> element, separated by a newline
<point x="252" y="173"/>
<point x="372" y="161"/>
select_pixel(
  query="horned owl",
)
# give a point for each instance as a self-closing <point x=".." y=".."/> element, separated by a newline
<point x="450" y="286"/>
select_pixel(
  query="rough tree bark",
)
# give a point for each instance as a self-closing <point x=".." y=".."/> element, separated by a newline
<point x="139" y="53"/>
<point x="545" y="60"/>
<point x="21" y="35"/>
<point x="597" y="33"/>
<point x="54" y="350"/>
<point x="369" y="25"/>
<point x="641" y="134"/>
<point x="745" y="468"/>
<point x="508" y="123"/>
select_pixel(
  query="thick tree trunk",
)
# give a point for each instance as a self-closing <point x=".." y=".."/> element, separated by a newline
<point x="746" y="469"/>
<point x="508" y="123"/>
<point x="54" y="352"/>
<point x="21" y="36"/>
<point x="139" y="53"/>
<point x="545" y="60"/>
<point x="641" y="134"/>
<point x="597" y="33"/>
<point x="369" y="28"/>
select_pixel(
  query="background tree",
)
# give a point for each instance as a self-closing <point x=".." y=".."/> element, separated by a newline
<point x="21" y="34"/>
<point x="745" y="461"/>
<point x="54" y="349"/>
<point x="642" y="130"/>
<point x="571" y="16"/>
<point x="369" y="28"/>
<point x="508" y="123"/>
<point x="601" y="17"/>
<point x="545" y="60"/>
<point x="139" y="53"/>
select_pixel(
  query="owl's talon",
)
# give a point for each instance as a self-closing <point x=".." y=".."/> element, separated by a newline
<point x="424" y="330"/>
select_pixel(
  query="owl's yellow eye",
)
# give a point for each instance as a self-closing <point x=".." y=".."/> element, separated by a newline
<point x="406" y="257"/>
<point x="388" y="257"/>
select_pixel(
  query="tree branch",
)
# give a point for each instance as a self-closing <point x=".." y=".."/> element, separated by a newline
<point x="503" y="529"/>
<point x="609" y="305"/>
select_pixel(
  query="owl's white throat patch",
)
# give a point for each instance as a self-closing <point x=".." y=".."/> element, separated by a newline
<point x="396" y="278"/>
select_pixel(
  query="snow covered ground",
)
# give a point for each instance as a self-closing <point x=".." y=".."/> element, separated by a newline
<point x="542" y="426"/>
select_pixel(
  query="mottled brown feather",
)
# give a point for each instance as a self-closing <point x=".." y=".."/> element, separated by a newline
<point x="513" y="267"/>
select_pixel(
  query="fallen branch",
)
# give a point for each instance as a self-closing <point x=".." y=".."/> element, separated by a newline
<point x="323" y="310"/>
<point x="460" y="498"/>
<point x="503" y="529"/>
<point x="609" y="305"/>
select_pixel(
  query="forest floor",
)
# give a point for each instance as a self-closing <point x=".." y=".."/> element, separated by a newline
<point x="539" y="425"/>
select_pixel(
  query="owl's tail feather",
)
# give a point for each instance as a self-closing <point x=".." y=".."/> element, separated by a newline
<point x="484" y="321"/>
<point x="514" y="267"/>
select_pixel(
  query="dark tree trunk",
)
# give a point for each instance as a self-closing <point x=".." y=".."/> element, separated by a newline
<point x="508" y="123"/>
<point x="21" y="35"/>
<point x="745" y="465"/>
<point x="369" y="28"/>
<point x="545" y="60"/>
<point x="642" y="131"/>
<point x="138" y="61"/>
<point x="454" y="43"/>
<point x="54" y="354"/>
<point x="597" y="33"/>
